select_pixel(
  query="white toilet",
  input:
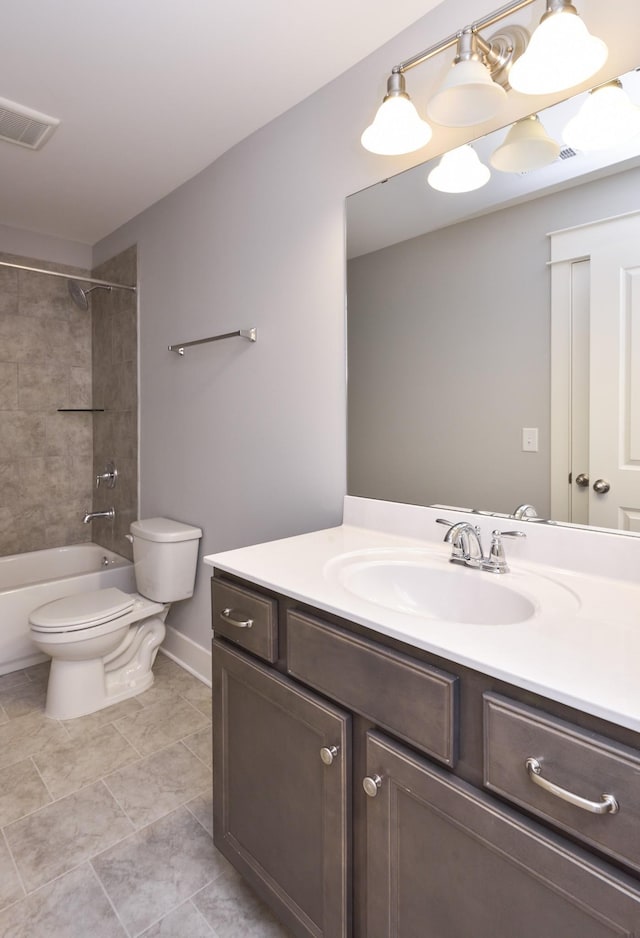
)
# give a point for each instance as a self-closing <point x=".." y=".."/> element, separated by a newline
<point x="103" y="644"/>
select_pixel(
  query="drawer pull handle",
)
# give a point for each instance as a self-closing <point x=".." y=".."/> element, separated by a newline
<point x="328" y="754"/>
<point x="239" y="619"/>
<point x="371" y="784"/>
<point x="608" y="804"/>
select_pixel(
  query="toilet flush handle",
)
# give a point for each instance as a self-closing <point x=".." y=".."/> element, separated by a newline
<point x="129" y="537"/>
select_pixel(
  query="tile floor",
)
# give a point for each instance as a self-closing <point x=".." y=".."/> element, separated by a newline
<point x="106" y="820"/>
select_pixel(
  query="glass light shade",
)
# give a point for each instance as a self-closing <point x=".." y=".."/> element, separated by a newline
<point x="562" y="53"/>
<point x="397" y="128"/>
<point x="468" y="96"/>
<point x="606" y="119"/>
<point x="459" y="170"/>
<point x="526" y="147"/>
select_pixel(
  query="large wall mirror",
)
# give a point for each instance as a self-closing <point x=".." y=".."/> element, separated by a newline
<point x="454" y="396"/>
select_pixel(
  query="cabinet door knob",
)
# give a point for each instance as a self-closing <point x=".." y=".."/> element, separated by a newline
<point x="328" y="754"/>
<point x="582" y="480"/>
<point x="371" y="784"/>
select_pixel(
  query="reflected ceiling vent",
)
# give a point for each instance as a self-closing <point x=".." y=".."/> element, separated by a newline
<point x="24" y="126"/>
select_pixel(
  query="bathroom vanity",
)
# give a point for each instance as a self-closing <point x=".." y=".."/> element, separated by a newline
<point x="462" y="759"/>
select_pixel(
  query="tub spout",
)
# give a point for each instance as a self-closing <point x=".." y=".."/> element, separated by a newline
<point x="110" y="514"/>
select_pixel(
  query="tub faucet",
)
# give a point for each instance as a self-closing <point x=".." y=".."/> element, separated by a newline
<point x="110" y="513"/>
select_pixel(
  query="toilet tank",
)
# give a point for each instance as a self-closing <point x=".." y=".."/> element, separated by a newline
<point x="165" y="555"/>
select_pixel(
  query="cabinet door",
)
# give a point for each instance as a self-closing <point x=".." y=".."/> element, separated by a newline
<point x="281" y="814"/>
<point x="447" y="861"/>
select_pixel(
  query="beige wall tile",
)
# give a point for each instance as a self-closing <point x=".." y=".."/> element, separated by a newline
<point x="43" y="387"/>
<point x="8" y="385"/>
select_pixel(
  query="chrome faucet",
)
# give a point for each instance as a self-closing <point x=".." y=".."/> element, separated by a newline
<point x="466" y="547"/>
<point x="110" y="514"/>
<point x="525" y="513"/>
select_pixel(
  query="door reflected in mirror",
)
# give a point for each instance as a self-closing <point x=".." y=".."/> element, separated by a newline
<point x="463" y="387"/>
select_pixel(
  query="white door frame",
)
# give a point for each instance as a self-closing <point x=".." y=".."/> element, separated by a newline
<point x="567" y="246"/>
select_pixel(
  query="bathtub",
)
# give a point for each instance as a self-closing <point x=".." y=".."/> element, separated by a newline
<point x="30" y="580"/>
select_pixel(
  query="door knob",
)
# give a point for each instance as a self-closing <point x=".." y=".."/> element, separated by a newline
<point x="328" y="754"/>
<point x="371" y="784"/>
<point x="601" y="486"/>
<point x="582" y="480"/>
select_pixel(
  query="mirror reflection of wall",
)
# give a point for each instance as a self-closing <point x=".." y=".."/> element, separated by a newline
<point x="448" y="351"/>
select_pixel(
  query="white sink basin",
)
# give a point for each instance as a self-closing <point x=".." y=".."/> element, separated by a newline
<point x="429" y="586"/>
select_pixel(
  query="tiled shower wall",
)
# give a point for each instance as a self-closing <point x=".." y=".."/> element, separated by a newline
<point x="115" y="387"/>
<point x="45" y="456"/>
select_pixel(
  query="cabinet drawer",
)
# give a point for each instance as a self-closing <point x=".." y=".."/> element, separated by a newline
<point x="414" y="701"/>
<point x="246" y="618"/>
<point x="574" y="761"/>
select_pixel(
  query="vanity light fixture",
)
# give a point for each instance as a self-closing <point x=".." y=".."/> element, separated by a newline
<point x="459" y="170"/>
<point x="607" y="118"/>
<point x="562" y="53"/>
<point x="397" y="127"/>
<point x="483" y="71"/>
<point x="526" y="147"/>
<point x="469" y="94"/>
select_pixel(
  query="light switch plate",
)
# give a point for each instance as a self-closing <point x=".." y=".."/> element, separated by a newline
<point x="529" y="439"/>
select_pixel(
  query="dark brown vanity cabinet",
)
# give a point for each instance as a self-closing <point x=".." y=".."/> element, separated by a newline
<point x="282" y="787"/>
<point x="444" y="860"/>
<point x="339" y="795"/>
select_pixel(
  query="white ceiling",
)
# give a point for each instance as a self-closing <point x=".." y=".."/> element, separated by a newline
<point x="149" y="92"/>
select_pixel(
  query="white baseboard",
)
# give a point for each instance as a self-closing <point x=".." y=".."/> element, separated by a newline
<point x="190" y="656"/>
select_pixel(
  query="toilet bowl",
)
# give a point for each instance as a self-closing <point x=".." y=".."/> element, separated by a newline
<point x="103" y="644"/>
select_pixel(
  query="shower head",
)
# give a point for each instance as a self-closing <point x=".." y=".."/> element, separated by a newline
<point x="80" y="296"/>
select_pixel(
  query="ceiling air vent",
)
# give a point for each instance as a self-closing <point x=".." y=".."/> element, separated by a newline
<point x="22" y="125"/>
<point x="567" y="154"/>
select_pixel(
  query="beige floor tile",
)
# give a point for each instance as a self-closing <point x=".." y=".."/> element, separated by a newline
<point x="62" y="835"/>
<point x="77" y="763"/>
<point x="21" y="791"/>
<point x="38" y="673"/>
<point x="10" y="887"/>
<point x="169" y="680"/>
<point x="82" y="727"/>
<point x="12" y="679"/>
<point x="24" y="736"/>
<point x="161" y="724"/>
<point x="153" y="787"/>
<point x="201" y="743"/>
<point x="73" y="906"/>
<point x="202" y="809"/>
<point x="23" y="699"/>
<point x="234" y="911"/>
<point x="157" y="869"/>
<point x="183" y="922"/>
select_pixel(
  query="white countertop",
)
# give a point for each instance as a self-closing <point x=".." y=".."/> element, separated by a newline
<point x="581" y="647"/>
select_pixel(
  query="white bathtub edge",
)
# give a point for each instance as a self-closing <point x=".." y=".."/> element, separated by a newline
<point x="188" y="654"/>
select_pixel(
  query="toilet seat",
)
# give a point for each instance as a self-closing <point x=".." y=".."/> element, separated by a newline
<point x="82" y="611"/>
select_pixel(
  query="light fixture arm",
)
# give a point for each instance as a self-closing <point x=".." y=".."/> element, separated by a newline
<point x="485" y="23"/>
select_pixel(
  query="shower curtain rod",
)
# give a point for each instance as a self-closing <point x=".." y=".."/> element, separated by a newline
<point x="56" y="273"/>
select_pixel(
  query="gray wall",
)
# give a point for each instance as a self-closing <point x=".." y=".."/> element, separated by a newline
<point x="249" y="440"/>
<point x="449" y="340"/>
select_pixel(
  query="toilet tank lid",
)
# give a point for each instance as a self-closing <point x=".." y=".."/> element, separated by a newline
<point x="164" y="529"/>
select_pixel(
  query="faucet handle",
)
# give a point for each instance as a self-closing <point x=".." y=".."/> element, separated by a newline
<point x="444" y="521"/>
<point x="496" y="562"/>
